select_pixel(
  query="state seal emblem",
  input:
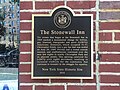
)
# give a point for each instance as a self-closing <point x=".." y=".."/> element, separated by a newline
<point x="62" y="19"/>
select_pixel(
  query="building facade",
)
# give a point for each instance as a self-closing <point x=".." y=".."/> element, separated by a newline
<point x="9" y="14"/>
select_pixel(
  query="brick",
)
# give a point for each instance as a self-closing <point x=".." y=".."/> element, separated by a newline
<point x="25" y="47"/>
<point x="77" y="12"/>
<point x="90" y="80"/>
<point x="25" y="16"/>
<point x="117" y="36"/>
<point x="110" y="57"/>
<point x="110" y="5"/>
<point x="107" y="47"/>
<point x="25" y="57"/>
<point x="25" y="36"/>
<point x="94" y="47"/>
<point x="28" y="15"/>
<point x="81" y="88"/>
<point x="49" y="88"/>
<point x="27" y="79"/>
<point x="109" y="15"/>
<point x="110" y="87"/>
<point x="26" y="5"/>
<point x="94" y="68"/>
<point x="94" y="36"/>
<point x="25" y="68"/>
<point x="94" y="14"/>
<point x="25" y="88"/>
<point x="109" y="79"/>
<point x="65" y="81"/>
<point x="47" y="4"/>
<point x="81" y="4"/>
<point x="105" y="36"/>
<point x="110" y="25"/>
<point x="94" y="57"/>
<point x="26" y="26"/>
<point x="109" y="67"/>
<point x="94" y="26"/>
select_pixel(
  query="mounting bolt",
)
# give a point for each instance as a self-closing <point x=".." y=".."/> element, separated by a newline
<point x="98" y="56"/>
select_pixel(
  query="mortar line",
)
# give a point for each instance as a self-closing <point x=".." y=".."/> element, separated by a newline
<point x="96" y="45"/>
<point x="33" y="5"/>
<point x="50" y="81"/>
<point x="81" y="82"/>
<point x="65" y="86"/>
<point x="113" y="36"/>
<point x="65" y="2"/>
<point x="33" y="87"/>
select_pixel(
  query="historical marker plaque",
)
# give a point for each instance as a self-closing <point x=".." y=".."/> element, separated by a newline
<point x="62" y="45"/>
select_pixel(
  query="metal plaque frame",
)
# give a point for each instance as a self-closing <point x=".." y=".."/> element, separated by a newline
<point x="33" y="76"/>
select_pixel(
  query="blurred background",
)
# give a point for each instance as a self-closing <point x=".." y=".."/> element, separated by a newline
<point x="9" y="44"/>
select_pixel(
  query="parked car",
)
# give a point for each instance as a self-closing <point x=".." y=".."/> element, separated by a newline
<point x="2" y="55"/>
<point x="12" y="58"/>
<point x="9" y="57"/>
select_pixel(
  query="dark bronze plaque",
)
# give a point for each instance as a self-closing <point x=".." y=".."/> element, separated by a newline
<point x="62" y="45"/>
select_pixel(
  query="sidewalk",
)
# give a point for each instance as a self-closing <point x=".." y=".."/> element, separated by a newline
<point x="8" y="78"/>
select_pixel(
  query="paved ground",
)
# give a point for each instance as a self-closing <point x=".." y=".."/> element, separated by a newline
<point x="8" y="73"/>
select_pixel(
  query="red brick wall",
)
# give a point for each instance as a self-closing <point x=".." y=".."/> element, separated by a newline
<point x="108" y="40"/>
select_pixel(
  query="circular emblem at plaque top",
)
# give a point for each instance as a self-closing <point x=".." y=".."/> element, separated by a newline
<point x="62" y="19"/>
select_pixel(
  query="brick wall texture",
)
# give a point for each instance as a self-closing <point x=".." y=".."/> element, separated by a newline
<point x="106" y="41"/>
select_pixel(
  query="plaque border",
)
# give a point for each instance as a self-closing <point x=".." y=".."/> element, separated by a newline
<point x="32" y="54"/>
